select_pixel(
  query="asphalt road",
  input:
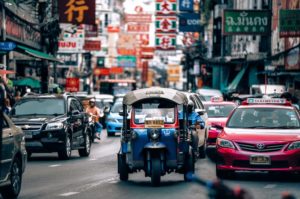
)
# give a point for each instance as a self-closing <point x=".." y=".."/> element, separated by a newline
<point x="47" y="177"/>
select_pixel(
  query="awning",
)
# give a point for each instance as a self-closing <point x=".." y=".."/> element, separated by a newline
<point x="234" y="84"/>
<point x="36" y="53"/>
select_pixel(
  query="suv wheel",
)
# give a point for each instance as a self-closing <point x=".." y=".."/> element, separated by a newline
<point x="65" y="154"/>
<point x="12" y="191"/>
<point x="87" y="146"/>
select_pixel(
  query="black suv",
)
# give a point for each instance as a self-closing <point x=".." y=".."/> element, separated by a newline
<point x="53" y="123"/>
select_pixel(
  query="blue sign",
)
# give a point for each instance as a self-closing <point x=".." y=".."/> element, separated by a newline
<point x="186" y="5"/>
<point x="7" y="46"/>
<point x="190" y="22"/>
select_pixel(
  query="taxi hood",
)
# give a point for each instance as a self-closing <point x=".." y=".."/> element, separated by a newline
<point x="217" y="121"/>
<point x="245" y="135"/>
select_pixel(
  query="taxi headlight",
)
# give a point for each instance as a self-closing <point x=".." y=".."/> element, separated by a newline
<point x="154" y="134"/>
<point x="294" y="145"/>
<point x="55" y="125"/>
<point x="225" y="143"/>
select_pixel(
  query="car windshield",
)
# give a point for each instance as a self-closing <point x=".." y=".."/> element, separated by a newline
<point x="218" y="110"/>
<point x="154" y="110"/>
<point x="116" y="108"/>
<point x="39" y="106"/>
<point x="266" y="118"/>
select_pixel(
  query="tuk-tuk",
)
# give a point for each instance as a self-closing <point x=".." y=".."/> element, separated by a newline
<point x="153" y="138"/>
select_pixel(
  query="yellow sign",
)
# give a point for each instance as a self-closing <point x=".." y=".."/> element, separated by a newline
<point x="157" y="123"/>
<point x="174" y="73"/>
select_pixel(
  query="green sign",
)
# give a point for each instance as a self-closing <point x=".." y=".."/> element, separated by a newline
<point x="126" y="61"/>
<point x="289" y="23"/>
<point x="246" y="22"/>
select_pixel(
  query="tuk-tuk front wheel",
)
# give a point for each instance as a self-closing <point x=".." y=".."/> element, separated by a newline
<point x="122" y="167"/>
<point x="155" y="171"/>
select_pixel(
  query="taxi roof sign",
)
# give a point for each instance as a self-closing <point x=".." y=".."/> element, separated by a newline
<point x="266" y="101"/>
<point x="217" y="99"/>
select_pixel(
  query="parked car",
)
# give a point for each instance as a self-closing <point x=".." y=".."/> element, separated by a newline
<point x="208" y="93"/>
<point x="53" y="123"/>
<point x="114" y="121"/>
<point x="13" y="159"/>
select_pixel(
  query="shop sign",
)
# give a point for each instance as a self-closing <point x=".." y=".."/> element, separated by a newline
<point x="72" y="84"/>
<point x="113" y="28"/>
<point x="174" y="72"/>
<point x="92" y="45"/>
<point x="101" y="71"/>
<point x="186" y="5"/>
<point x="68" y="46"/>
<point x="91" y="30"/>
<point x="143" y="39"/>
<point x="166" y="24"/>
<point x="165" y="41"/>
<point x="137" y="27"/>
<point x="126" y="44"/>
<point x="18" y="31"/>
<point x="190" y="22"/>
<point x="289" y="23"/>
<point x="126" y="61"/>
<point x="246" y="22"/>
<point x="77" y="11"/>
<point x="7" y="46"/>
<point x="68" y="59"/>
<point x="138" y="18"/>
<point x="116" y="70"/>
<point x="166" y="7"/>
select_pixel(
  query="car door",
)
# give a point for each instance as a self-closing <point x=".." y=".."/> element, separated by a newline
<point x="83" y="121"/>
<point x="7" y="149"/>
<point x="76" y="121"/>
<point x="201" y="132"/>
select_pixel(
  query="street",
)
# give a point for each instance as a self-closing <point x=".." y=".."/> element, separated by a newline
<point x="96" y="177"/>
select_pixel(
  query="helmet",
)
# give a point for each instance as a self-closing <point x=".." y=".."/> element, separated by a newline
<point x="92" y="100"/>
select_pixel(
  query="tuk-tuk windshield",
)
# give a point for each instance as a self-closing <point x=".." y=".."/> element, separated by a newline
<point x="154" y="110"/>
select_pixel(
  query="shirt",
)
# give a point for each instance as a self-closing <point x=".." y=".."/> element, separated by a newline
<point x="95" y="112"/>
<point x="194" y="118"/>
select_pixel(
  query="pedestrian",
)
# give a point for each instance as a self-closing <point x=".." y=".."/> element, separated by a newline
<point x="7" y="107"/>
<point x="95" y="113"/>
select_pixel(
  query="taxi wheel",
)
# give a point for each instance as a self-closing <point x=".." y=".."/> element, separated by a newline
<point x="155" y="171"/>
<point x="123" y="170"/>
<point x="12" y="191"/>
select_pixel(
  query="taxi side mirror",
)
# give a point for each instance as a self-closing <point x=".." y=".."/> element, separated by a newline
<point x="200" y="111"/>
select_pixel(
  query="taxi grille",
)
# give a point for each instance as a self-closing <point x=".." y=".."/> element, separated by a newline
<point x="267" y="148"/>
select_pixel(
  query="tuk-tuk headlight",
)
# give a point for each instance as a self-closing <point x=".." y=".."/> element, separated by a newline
<point x="154" y="134"/>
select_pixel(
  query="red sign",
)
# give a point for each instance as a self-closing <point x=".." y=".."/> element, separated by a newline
<point x="91" y="45"/>
<point x="166" y="7"/>
<point x="77" y="11"/>
<point x="143" y="39"/>
<point x="145" y="71"/>
<point x="91" y="30"/>
<point x="166" y="24"/>
<point x="113" y="29"/>
<point x="116" y="70"/>
<point x="72" y="84"/>
<point x="148" y="49"/>
<point x="139" y="18"/>
<point x="136" y="27"/>
<point x="101" y="71"/>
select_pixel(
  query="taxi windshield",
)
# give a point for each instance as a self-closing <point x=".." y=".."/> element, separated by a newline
<point x="218" y="110"/>
<point x="266" y="118"/>
<point x="154" y="110"/>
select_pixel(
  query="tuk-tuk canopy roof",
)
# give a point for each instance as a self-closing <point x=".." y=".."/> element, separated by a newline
<point x="155" y="93"/>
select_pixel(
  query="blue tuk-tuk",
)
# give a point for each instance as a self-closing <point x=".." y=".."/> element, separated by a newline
<point x="153" y="138"/>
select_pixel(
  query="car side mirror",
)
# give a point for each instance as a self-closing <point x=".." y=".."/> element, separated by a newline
<point x="200" y="111"/>
<point x="121" y="113"/>
<point x="218" y="127"/>
<point x="75" y="113"/>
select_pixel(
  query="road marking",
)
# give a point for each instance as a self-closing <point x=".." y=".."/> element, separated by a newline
<point x="92" y="159"/>
<point x="113" y="182"/>
<point x="55" y="165"/>
<point x="68" y="194"/>
<point x="270" y="186"/>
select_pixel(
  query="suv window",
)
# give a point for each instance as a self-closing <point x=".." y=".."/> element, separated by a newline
<point x="72" y="105"/>
<point x="78" y="105"/>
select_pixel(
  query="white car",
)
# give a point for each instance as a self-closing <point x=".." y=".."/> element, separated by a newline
<point x="209" y="93"/>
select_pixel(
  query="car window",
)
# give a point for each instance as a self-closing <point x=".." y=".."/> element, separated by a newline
<point x="72" y="105"/>
<point x="78" y="105"/>
<point x="219" y="110"/>
<point x="268" y="118"/>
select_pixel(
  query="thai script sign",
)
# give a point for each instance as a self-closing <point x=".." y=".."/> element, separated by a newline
<point x="247" y="22"/>
<point x="77" y="11"/>
<point x="289" y="23"/>
<point x="138" y="18"/>
<point x="68" y="59"/>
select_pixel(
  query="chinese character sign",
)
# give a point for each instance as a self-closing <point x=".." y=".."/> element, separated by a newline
<point x="77" y="11"/>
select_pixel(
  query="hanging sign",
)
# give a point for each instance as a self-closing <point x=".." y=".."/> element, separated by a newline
<point x="165" y="41"/>
<point x="166" y="7"/>
<point x="72" y="84"/>
<point x="7" y="46"/>
<point x="190" y="22"/>
<point x="186" y="5"/>
<point x="166" y="24"/>
<point x="289" y="23"/>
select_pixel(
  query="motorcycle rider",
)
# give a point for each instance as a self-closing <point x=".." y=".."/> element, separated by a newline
<point x="95" y="112"/>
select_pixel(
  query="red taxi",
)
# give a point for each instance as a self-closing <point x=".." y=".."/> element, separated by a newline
<point x="218" y="112"/>
<point x="260" y="135"/>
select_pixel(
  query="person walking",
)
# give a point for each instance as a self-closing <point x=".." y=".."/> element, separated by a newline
<point x="95" y="113"/>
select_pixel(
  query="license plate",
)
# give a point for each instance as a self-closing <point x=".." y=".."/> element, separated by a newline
<point x="154" y="123"/>
<point x="260" y="160"/>
<point x="28" y="135"/>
